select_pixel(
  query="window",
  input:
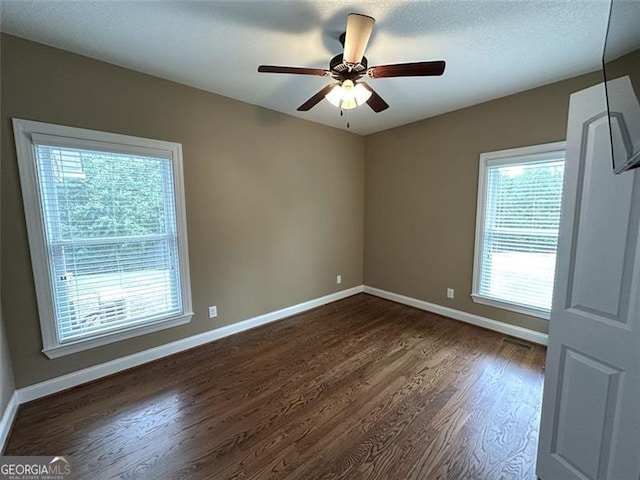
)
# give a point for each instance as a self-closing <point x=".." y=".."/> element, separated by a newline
<point x="107" y="232"/>
<point x="519" y="200"/>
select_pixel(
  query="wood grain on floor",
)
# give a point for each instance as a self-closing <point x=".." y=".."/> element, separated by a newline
<point x="360" y="388"/>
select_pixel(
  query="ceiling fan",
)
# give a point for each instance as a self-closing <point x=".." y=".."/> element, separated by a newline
<point x="348" y="68"/>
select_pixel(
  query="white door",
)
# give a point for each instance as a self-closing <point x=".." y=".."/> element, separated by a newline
<point x="591" y="406"/>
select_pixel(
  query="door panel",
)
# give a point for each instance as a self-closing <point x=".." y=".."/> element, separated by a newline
<point x="601" y="239"/>
<point x="584" y="446"/>
<point x="590" y="425"/>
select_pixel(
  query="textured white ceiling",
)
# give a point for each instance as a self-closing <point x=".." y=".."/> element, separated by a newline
<point x="492" y="47"/>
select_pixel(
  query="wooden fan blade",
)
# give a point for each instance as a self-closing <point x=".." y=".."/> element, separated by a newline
<point x="313" y="101"/>
<point x="294" y="70"/>
<point x="417" y="69"/>
<point x="359" y="28"/>
<point x="375" y="101"/>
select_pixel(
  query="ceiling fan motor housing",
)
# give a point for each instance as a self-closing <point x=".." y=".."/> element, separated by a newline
<point x="345" y="70"/>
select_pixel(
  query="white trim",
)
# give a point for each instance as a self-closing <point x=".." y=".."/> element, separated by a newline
<point x="72" y="137"/>
<point x="115" y="336"/>
<point x="542" y="151"/>
<point x="511" y="306"/>
<point x="6" y="422"/>
<point x="58" y="384"/>
<point x="70" y="380"/>
<point x="512" y="330"/>
<point x="529" y="154"/>
<point x="27" y="133"/>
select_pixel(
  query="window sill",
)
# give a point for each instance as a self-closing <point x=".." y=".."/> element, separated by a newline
<point x="68" y="348"/>
<point x="513" y="307"/>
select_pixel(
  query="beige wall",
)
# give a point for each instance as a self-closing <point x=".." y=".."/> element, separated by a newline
<point x="6" y="371"/>
<point x="275" y="204"/>
<point x="272" y="216"/>
<point x="421" y="190"/>
<point x="626" y="65"/>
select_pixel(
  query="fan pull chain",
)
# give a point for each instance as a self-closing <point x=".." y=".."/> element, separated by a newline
<point x="347" y="115"/>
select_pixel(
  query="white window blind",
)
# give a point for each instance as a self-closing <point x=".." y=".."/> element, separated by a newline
<point x="112" y="237"/>
<point x="518" y="231"/>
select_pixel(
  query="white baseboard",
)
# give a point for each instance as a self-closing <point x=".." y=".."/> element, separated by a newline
<point x="7" y="420"/>
<point x="512" y="330"/>
<point x="64" y="382"/>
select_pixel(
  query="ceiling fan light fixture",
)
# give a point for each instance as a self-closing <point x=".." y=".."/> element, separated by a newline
<point x="348" y="95"/>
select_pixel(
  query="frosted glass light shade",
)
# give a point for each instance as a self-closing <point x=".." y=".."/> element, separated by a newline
<point x="334" y="96"/>
<point x="348" y="95"/>
<point x="361" y="94"/>
<point x="348" y="103"/>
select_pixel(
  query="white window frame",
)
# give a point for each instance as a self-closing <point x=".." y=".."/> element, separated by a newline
<point x="24" y="133"/>
<point x="534" y="153"/>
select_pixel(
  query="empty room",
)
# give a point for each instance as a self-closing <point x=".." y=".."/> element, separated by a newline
<point x="316" y="239"/>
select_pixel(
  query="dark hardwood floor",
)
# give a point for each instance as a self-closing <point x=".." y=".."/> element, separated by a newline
<point x="360" y="388"/>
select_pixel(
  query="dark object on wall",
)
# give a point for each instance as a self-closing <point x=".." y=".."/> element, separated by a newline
<point x="621" y="66"/>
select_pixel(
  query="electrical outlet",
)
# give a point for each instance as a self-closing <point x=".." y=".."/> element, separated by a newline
<point x="213" y="311"/>
<point x="339" y="279"/>
<point x="450" y="292"/>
